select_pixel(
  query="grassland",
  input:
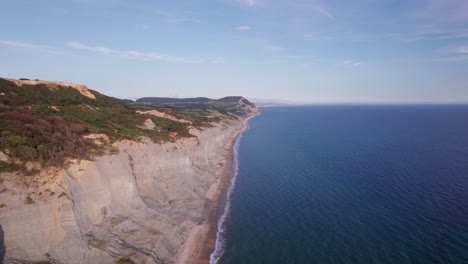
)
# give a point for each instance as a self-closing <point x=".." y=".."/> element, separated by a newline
<point x="48" y="126"/>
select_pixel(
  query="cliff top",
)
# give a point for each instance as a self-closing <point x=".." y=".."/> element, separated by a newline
<point x="229" y="106"/>
<point x="168" y="100"/>
<point x="49" y="122"/>
<point x="54" y="85"/>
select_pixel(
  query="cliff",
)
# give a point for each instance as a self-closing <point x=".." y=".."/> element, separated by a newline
<point x="135" y="204"/>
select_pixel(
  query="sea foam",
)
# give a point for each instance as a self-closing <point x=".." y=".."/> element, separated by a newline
<point x="220" y="234"/>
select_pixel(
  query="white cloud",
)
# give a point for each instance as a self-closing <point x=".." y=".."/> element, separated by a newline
<point x="308" y="64"/>
<point x="154" y="56"/>
<point x="249" y="3"/>
<point x="171" y="17"/>
<point x="353" y="63"/>
<point x="218" y="60"/>
<point x="243" y="28"/>
<point x="456" y="58"/>
<point x="132" y="54"/>
<point x="324" y="12"/>
<point x="60" y="11"/>
<point x="275" y="48"/>
<point x="444" y="11"/>
<point x="434" y="35"/>
<point x="183" y="20"/>
<point x="462" y="49"/>
<point x="18" y="44"/>
<point x="310" y="7"/>
<point x="28" y="46"/>
<point x="98" y="49"/>
<point x="459" y="53"/>
<point x="298" y="57"/>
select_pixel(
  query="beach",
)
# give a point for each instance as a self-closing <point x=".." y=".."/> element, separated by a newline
<point x="201" y="239"/>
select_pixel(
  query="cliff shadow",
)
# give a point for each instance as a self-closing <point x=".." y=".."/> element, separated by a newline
<point x="2" y="244"/>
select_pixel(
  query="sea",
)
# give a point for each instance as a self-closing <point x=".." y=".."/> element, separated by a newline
<point x="349" y="184"/>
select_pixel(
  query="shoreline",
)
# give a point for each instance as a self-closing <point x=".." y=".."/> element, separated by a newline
<point x="201" y="239"/>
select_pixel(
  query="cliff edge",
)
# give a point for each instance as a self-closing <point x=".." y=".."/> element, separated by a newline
<point x="134" y="202"/>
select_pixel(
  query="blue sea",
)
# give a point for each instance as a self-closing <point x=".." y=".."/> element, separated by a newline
<point x="349" y="184"/>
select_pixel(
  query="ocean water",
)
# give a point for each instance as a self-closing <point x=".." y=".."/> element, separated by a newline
<point x="350" y="184"/>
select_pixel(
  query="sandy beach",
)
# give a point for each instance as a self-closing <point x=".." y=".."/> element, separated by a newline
<point x="201" y="239"/>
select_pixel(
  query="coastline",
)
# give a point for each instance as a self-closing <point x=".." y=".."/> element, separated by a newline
<point x="201" y="239"/>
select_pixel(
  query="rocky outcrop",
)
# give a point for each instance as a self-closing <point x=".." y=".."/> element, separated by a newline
<point x="137" y="205"/>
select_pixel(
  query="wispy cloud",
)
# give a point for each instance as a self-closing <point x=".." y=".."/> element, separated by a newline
<point x="444" y="11"/>
<point x="459" y="53"/>
<point x="217" y="60"/>
<point x="275" y="48"/>
<point x="324" y="12"/>
<point x="462" y="49"/>
<point x="434" y="35"/>
<point x="154" y="56"/>
<point x="173" y="17"/>
<point x="297" y="57"/>
<point x="308" y="7"/>
<point x="28" y="46"/>
<point x="249" y="3"/>
<point x="308" y="64"/>
<point x="243" y="28"/>
<point x="314" y="7"/>
<point x="59" y="11"/>
<point x="316" y="36"/>
<point x="98" y="49"/>
<point x="132" y="54"/>
<point x="353" y="63"/>
<point x="305" y="61"/>
<point x="456" y="58"/>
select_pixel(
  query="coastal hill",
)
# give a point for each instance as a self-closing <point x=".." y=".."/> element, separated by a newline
<point x="87" y="178"/>
<point x="49" y="122"/>
<point x="230" y="105"/>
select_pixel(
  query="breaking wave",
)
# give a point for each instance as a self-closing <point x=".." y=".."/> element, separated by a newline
<point x="220" y="234"/>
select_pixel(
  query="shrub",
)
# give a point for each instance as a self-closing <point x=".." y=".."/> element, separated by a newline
<point x="97" y="243"/>
<point x="29" y="200"/>
<point x="5" y="167"/>
<point x="124" y="261"/>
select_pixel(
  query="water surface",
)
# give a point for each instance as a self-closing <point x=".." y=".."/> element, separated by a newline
<point x="351" y="184"/>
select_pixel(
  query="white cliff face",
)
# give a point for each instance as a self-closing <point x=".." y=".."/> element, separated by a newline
<point x="138" y="204"/>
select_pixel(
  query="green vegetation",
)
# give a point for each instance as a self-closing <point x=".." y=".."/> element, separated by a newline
<point x="48" y="124"/>
<point x="29" y="200"/>
<point x="115" y="221"/>
<point x="200" y="111"/>
<point x="124" y="261"/>
<point x="97" y="243"/>
<point x="5" y="167"/>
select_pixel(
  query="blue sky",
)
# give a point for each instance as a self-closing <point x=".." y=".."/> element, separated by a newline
<point x="314" y="51"/>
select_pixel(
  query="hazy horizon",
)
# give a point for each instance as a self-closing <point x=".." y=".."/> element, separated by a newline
<point x="319" y="52"/>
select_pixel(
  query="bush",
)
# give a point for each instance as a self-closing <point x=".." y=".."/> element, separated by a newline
<point x="29" y="200"/>
<point x="124" y="261"/>
<point x="5" y="167"/>
<point x="97" y="243"/>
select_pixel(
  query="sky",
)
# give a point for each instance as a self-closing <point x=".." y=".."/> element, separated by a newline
<point x="360" y="51"/>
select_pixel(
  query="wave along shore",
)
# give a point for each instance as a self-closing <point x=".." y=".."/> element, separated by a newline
<point x="220" y="234"/>
<point x="206" y="241"/>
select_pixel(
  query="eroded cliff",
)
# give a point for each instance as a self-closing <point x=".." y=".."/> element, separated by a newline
<point x="136" y="205"/>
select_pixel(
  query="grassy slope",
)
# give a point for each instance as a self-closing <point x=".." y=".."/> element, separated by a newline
<point x="200" y="107"/>
<point x="38" y="124"/>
